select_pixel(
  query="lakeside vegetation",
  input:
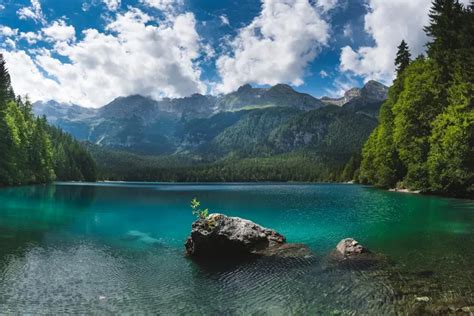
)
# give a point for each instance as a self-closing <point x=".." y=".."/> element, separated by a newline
<point x="31" y="151"/>
<point x="425" y="139"/>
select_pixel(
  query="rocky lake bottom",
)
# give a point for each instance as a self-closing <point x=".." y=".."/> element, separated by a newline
<point x="119" y="248"/>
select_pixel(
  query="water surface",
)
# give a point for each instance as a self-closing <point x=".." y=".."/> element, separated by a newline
<point x="118" y="247"/>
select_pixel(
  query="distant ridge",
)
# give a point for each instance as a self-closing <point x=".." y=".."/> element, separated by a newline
<point x="252" y="121"/>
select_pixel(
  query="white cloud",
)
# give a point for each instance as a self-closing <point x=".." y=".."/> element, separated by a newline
<point x="112" y="5"/>
<point x="9" y="42"/>
<point x="7" y="31"/>
<point x="341" y="84"/>
<point x="59" y="31"/>
<point x="327" y="5"/>
<point x="164" y="5"/>
<point x="224" y="19"/>
<point x="323" y="74"/>
<point x="31" y="37"/>
<point x="33" y="12"/>
<point x="275" y="47"/>
<point x="133" y="56"/>
<point x="2" y="7"/>
<point x="27" y="78"/>
<point x="388" y="22"/>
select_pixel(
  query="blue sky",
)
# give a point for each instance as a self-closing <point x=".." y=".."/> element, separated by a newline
<point x="90" y="51"/>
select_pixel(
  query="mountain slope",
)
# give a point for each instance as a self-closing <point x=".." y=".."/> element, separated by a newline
<point x="276" y="126"/>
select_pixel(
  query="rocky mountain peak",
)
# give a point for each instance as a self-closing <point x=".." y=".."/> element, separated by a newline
<point x="372" y="91"/>
<point x="282" y="88"/>
<point x="245" y="88"/>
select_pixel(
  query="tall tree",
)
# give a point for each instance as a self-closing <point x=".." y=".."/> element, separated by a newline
<point x="445" y="31"/>
<point x="5" y="83"/>
<point x="403" y="57"/>
<point x="30" y="152"/>
<point x="451" y="156"/>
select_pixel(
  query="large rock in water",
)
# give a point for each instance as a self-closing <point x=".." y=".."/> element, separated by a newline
<point x="223" y="237"/>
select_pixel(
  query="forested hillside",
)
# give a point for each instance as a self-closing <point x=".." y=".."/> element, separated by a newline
<point x="275" y="144"/>
<point x="425" y="140"/>
<point x="31" y="151"/>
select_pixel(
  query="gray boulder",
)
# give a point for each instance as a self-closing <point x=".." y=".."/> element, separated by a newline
<point x="350" y="248"/>
<point x="349" y="251"/>
<point x="223" y="237"/>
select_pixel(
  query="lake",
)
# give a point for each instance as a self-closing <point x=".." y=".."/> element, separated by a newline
<point x="118" y="248"/>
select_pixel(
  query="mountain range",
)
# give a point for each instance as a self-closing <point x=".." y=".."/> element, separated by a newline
<point x="250" y="122"/>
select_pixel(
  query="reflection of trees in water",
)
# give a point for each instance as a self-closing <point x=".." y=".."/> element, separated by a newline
<point x="81" y="196"/>
<point x="28" y="213"/>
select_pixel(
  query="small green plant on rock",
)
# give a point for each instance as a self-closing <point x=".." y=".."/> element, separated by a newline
<point x="199" y="213"/>
<point x="203" y="214"/>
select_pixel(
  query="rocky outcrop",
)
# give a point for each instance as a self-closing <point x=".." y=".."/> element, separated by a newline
<point x="223" y="237"/>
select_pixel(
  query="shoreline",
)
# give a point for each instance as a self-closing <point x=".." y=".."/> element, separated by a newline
<point x="405" y="191"/>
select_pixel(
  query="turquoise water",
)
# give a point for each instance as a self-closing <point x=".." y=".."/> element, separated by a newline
<point x="118" y="247"/>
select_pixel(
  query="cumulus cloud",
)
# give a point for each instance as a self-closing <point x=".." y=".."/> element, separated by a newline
<point x="275" y="47"/>
<point x="327" y="5"/>
<point x="133" y="55"/>
<point x="164" y="5"/>
<point x="27" y="78"/>
<point x="7" y="31"/>
<point x="59" y="31"/>
<point x="112" y="5"/>
<point x="388" y="22"/>
<point x="33" y="12"/>
<point x="31" y="37"/>
<point x="323" y="74"/>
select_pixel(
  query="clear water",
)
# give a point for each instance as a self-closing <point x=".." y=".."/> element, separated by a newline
<point x="118" y="248"/>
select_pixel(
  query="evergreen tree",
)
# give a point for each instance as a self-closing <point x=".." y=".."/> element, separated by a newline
<point x="425" y="139"/>
<point x="403" y="57"/>
<point x="445" y="31"/>
<point x="5" y="83"/>
<point x="29" y="150"/>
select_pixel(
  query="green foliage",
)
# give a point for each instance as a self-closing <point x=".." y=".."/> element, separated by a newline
<point x="199" y="213"/>
<point x="451" y="157"/>
<point x="30" y="150"/>
<point x="425" y="138"/>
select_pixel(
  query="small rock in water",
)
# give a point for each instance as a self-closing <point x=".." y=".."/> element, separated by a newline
<point x="468" y="309"/>
<point x="350" y="253"/>
<point x="422" y="299"/>
<point x="350" y="247"/>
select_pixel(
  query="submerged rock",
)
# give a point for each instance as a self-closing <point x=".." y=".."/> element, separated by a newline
<point x="424" y="299"/>
<point x="223" y="237"/>
<point x="351" y="252"/>
<point x="350" y="248"/>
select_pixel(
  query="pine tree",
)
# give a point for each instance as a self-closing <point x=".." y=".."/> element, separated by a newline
<point x="403" y="57"/>
<point x="6" y="90"/>
<point x="446" y="23"/>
